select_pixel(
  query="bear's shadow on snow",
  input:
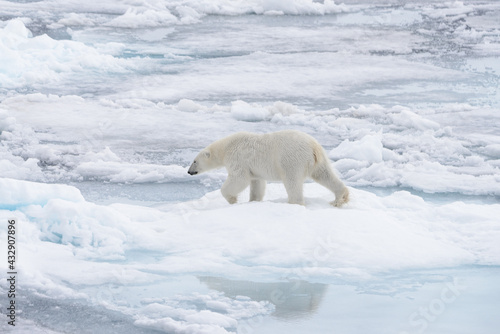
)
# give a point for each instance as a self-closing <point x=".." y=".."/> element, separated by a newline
<point x="294" y="299"/>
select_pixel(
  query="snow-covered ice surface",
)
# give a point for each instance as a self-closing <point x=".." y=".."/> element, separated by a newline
<point x="103" y="105"/>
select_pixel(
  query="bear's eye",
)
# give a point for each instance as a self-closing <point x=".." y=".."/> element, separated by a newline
<point x="195" y="162"/>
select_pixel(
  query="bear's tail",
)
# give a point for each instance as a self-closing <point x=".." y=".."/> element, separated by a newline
<point x="318" y="154"/>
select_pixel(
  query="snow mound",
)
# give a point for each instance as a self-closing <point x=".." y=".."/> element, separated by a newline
<point x="28" y="60"/>
<point x="368" y="149"/>
<point x="243" y="111"/>
<point x="254" y="112"/>
<point x="15" y="193"/>
<point x="211" y="313"/>
<point x="148" y="18"/>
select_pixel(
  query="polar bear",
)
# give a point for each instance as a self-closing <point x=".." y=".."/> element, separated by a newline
<point x="288" y="156"/>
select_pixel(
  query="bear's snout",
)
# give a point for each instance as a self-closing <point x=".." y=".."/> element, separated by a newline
<point x="192" y="170"/>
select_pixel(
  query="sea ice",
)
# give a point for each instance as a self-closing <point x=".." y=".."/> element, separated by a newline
<point x="115" y="98"/>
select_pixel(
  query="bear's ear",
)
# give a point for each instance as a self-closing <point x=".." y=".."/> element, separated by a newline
<point x="207" y="154"/>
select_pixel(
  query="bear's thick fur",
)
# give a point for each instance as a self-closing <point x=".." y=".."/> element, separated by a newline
<point x="252" y="159"/>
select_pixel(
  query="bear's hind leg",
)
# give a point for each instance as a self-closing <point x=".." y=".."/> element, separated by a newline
<point x="232" y="187"/>
<point x="327" y="178"/>
<point x="257" y="190"/>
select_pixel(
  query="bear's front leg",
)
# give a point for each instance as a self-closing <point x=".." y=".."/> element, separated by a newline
<point x="232" y="187"/>
<point x="294" y="189"/>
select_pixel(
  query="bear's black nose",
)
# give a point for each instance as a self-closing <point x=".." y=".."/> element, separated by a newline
<point x="192" y="173"/>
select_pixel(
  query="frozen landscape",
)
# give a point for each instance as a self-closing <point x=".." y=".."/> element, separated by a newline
<point x="103" y="106"/>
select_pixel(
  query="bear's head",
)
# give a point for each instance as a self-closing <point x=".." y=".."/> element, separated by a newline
<point x="202" y="163"/>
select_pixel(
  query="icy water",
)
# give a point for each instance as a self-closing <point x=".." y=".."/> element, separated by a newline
<point x="103" y="106"/>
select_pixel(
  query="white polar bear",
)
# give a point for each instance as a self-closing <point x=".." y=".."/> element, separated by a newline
<point x="252" y="159"/>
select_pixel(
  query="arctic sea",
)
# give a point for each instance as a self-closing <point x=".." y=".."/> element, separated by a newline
<point x="103" y="106"/>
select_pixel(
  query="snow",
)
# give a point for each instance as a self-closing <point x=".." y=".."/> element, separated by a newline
<point x="338" y="239"/>
<point x="103" y="106"/>
<point x="312" y="243"/>
<point x="455" y="9"/>
<point x="373" y="145"/>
